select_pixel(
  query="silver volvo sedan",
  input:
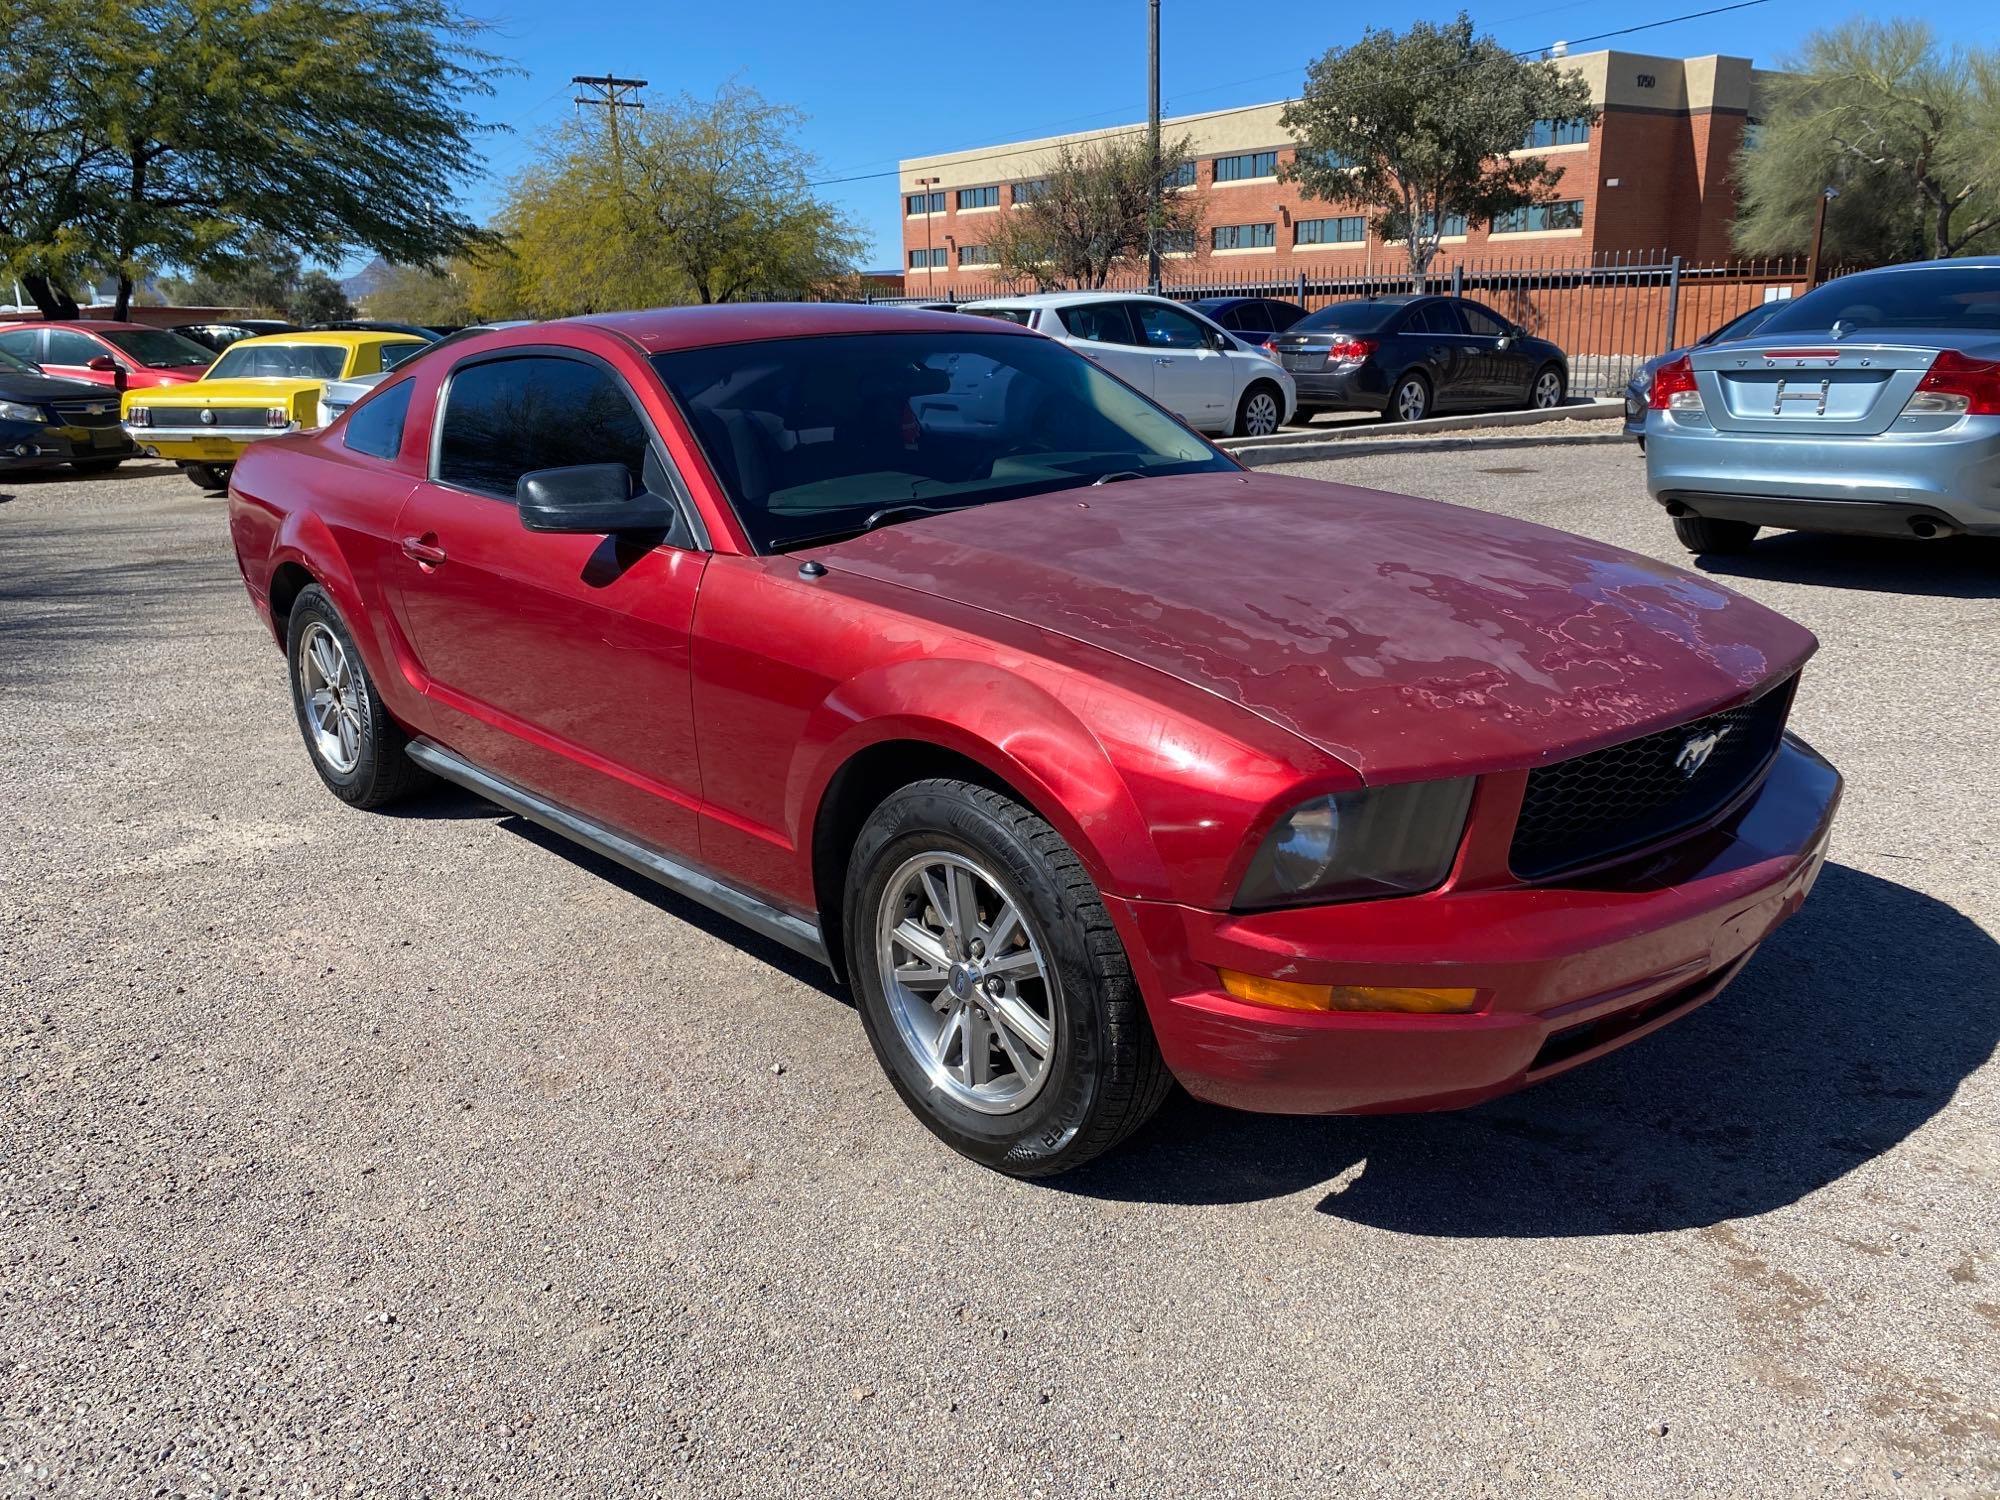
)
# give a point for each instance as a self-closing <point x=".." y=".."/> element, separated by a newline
<point x="1869" y="405"/>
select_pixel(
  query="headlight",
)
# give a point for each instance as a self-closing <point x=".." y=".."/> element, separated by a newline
<point x="1379" y="841"/>
<point x="16" y="411"/>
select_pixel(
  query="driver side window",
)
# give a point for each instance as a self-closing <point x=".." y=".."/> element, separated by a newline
<point x="507" y="417"/>
<point x="1168" y="327"/>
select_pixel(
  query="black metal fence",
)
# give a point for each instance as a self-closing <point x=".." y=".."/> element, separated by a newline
<point x="1609" y="313"/>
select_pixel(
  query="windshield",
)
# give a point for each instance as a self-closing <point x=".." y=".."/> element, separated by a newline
<point x="157" y="349"/>
<point x="1348" y="317"/>
<point x="812" y="436"/>
<point x="1960" y="298"/>
<point x="15" y="365"/>
<point x="256" y="360"/>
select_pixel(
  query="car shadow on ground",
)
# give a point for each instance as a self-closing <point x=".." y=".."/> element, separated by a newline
<point x="1853" y="1026"/>
<point x="1947" y="568"/>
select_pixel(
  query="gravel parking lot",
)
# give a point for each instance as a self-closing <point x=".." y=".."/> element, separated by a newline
<point x="419" y="1155"/>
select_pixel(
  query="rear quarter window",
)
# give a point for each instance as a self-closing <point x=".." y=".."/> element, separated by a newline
<point x="376" y="426"/>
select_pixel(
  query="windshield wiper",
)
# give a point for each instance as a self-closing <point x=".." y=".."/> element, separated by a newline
<point x="1116" y="476"/>
<point x="881" y="515"/>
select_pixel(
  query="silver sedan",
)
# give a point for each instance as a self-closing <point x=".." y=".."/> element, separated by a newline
<point x="1871" y="405"/>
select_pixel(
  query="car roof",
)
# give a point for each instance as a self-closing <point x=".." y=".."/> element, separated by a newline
<point x="86" y="325"/>
<point x="336" y="338"/>
<point x="662" y="328"/>
<point x="1069" y="299"/>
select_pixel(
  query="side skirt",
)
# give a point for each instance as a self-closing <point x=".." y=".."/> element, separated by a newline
<point x="781" y="926"/>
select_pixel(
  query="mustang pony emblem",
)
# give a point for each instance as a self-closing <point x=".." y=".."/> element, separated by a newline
<point x="207" y="417"/>
<point x="1695" y="753"/>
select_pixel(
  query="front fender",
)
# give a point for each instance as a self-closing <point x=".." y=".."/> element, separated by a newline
<point x="1016" y="728"/>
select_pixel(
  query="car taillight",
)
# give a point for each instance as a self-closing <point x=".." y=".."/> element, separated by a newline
<point x="140" y="416"/>
<point x="1674" y="388"/>
<point x="1957" y="386"/>
<point x="278" y="416"/>
<point x="1349" y="351"/>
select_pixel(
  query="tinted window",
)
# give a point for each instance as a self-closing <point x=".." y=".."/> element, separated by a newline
<point x="1433" y="318"/>
<point x="21" y="342"/>
<point x="13" y="365"/>
<point x="1253" y="317"/>
<point x="157" y="349"/>
<point x="1949" y="297"/>
<point x="1284" y="314"/>
<point x="510" y="417"/>
<point x="1100" y="323"/>
<point x="376" y="427"/>
<point x="1349" y="317"/>
<point x="811" y="436"/>
<point x="251" y="360"/>
<point x="1022" y="315"/>
<point x="1167" y="327"/>
<point x="1743" y="324"/>
<point x="66" y="348"/>
<point x="1478" y="320"/>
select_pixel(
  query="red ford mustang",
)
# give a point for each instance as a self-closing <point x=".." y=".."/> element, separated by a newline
<point x="1092" y="761"/>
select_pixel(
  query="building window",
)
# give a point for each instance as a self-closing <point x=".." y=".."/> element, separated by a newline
<point x="1176" y="242"/>
<point x="917" y="204"/>
<point x="1753" y="133"/>
<point x="1545" y="133"/>
<point x="1567" y="214"/>
<point x="974" y="255"/>
<point x="1333" y="161"/>
<point x="1241" y="168"/>
<point x="1244" y="236"/>
<point x="1182" y="175"/>
<point x="1454" y="226"/>
<point x="1028" y="192"/>
<point x="1346" y="231"/>
<point x="922" y="260"/>
<point x="980" y="197"/>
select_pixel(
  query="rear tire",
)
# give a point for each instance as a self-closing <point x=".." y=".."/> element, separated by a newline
<point x="1547" y="390"/>
<point x="358" y="750"/>
<point x="1065" y="1064"/>
<point x="1705" y="534"/>
<point x="1409" y="399"/>
<point x="209" y="476"/>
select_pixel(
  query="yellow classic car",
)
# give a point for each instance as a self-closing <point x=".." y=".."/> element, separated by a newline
<point x="257" y="388"/>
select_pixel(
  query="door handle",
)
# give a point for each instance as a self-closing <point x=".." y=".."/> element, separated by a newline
<point x="423" y="549"/>
<point x="1162" y="359"/>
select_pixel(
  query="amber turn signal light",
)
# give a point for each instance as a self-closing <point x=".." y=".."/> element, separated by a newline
<point x="1287" y="995"/>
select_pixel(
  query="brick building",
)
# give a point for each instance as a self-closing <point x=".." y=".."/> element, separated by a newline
<point x="1652" y="175"/>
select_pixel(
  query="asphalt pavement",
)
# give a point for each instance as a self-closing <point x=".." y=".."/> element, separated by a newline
<point x="419" y="1155"/>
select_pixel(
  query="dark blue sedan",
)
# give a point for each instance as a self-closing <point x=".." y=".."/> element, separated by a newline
<point x="1413" y="357"/>
<point x="1254" y="320"/>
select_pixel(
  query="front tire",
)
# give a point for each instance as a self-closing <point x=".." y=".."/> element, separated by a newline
<point x="1410" y="401"/>
<point x="1260" y="413"/>
<point x="993" y="988"/>
<point x="1705" y="534"/>
<point x="209" y="476"/>
<point x="358" y="750"/>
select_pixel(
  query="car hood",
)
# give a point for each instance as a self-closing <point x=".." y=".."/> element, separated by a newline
<point x="51" y="388"/>
<point x="1407" y="637"/>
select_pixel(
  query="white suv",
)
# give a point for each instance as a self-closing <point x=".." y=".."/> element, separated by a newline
<point x="1197" y="370"/>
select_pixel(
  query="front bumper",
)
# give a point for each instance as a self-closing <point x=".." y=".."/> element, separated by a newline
<point x="26" y="445"/>
<point x="1866" y="485"/>
<point x="203" y="444"/>
<point x="1567" y="972"/>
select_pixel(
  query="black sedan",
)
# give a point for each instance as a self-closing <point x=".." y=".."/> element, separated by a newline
<point x="45" y="421"/>
<point x="1639" y="389"/>
<point x="223" y="332"/>
<point x="1255" y="320"/>
<point x="1414" y="357"/>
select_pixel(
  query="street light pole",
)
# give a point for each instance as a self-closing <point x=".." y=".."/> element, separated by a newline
<point x="1153" y="146"/>
<point x="1827" y="195"/>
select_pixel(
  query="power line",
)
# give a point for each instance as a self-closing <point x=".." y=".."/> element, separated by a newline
<point x="1243" y="109"/>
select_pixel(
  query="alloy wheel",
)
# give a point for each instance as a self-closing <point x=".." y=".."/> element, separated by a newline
<point x="967" y="981"/>
<point x="332" y="697"/>
<point x="1548" y="390"/>
<point x="1411" y="400"/>
<point x="1260" y="415"/>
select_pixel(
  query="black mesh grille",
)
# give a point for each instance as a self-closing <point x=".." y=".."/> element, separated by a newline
<point x="1587" y="810"/>
<point x="78" y="413"/>
<point x="225" y="416"/>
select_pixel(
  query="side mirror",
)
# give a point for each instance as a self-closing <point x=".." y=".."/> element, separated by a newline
<point x="1221" y="343"/>
<point x="591" y="499"/>
<point x="104" y="364"/>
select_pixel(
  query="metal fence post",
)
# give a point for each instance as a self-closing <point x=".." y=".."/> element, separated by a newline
<point x="1458" y="280"/>
<point x="1673" y="303"/>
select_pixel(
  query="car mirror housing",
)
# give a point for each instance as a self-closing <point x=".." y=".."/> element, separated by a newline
<point x="591" y="499"/>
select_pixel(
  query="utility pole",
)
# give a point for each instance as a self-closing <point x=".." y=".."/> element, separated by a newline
<point x="1153" y="146"/>
<point x="610" y="95"/>
<point x="1827" y="195"/>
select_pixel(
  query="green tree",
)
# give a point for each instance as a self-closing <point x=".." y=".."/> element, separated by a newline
<point x="691" y="200"/>
<point x="1424" y="126"/>
<point x="318" y="299"/>
<point x="415" y="294"/>
<point x="1908" y="132"/>
<point x="166" y="133"/>
<point x="1088" y="215"/>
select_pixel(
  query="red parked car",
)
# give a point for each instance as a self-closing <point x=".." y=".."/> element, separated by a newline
<point x="127" y="356"/>
<point x="1090" y="759"/>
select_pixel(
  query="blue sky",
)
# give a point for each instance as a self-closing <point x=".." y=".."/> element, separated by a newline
<point x="881" y="82"/>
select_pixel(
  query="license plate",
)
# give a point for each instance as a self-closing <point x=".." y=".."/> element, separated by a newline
<point x="1303" y="362"/>
<point x="106" y="437"/>
<point x="212" y="448"/>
